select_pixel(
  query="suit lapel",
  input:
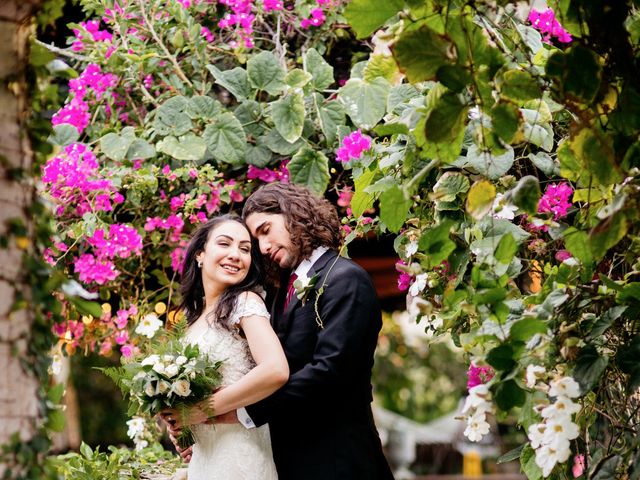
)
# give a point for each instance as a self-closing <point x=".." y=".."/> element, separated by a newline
<point x="284" y="325"/>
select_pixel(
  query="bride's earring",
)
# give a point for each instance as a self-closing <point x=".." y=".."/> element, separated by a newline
<point x="199" y="263"/>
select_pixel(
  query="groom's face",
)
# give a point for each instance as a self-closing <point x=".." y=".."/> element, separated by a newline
<point x="274" y="239"/>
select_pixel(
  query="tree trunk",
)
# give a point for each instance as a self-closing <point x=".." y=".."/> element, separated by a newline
<point x="18" y="389"/>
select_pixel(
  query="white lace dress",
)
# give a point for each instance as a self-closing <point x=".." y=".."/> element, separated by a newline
<point x="230" y="451"/>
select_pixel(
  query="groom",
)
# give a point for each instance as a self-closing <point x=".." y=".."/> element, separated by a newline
<point x="320" y="421"/>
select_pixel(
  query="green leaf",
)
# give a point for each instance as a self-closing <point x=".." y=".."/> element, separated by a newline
<point x="628" y="359"/>
<point x="421" y="52"/>
<point x="86" y="307"/>
<point x="506" y="249"/>
<point x="311" y="169"/>
<point x="140" y="149"/>
<point x="331" y="115"/>
<point x="454" y="77"/>
<point x="523" y="330"/>
<point x="391" y="129"/>
<point x="576" y="72"/>
<point x="265" y="73"/>
<point x="608" y="233"/>
<point x="480" y="199"/>
<point x="449" y="186"/>
<point x="570" y="167"/>
<point x="436" y="244"/>
<point x="526" y="194"/>
<point x="501" y="358"/>
<point x="362" y="200"/>
<point x="511" y="455"/>
<point x="56" y="420"/>
<point x="506" y="120"/>
<point x="188" y="147"/>
<point x="235" y="81"/>
<point x="577" y="242"/>
<point x="486" y="163"/>
<point x="86" y="451"/>
<point x="446" y="119"/>
<point x="250" y="115"/>
<point x="202" y="106"/>
<point x="508" y="395"/>
<point x="589" y="368"/>
<point x="64" y="134"/>
<point x="319" y="69"/>
<point x="55" y="393"/>
<point x="366" y="16"/>
<point x="394" y="208"/>
<point x="365" y="102"/>
<point x="115" y="146"/>
<point x="608" y="468"/>
<point x="258" y="155"/>
<point x="288" y="116"/>
<point x="171" y="120"/>
<point x="297" y="78"/>
<point x="528" y="464"/>
<point x="519" y="86"/>
<point x="631" y="292"/>
<point x="279" y="145"/>
<point x="400" y="95"/>
<point x="539" y="135"/>
<point x="544" y="162"/>
<point x="225" y="139"/>
<point x="380" y="66"/>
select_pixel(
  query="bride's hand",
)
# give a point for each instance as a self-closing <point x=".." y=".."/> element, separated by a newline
<point x="194" y="415"/>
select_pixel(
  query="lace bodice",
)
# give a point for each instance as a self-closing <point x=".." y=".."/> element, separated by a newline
<point x="230" y="452"/>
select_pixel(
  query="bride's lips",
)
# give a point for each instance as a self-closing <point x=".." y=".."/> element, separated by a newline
<point x="232" y="269"/>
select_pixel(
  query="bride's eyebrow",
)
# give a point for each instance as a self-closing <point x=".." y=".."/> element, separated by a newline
<point x="222" y="235"/>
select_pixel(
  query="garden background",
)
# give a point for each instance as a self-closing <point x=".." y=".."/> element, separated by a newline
<point x="493" y="145"/>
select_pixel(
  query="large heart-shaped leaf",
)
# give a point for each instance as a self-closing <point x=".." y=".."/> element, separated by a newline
<point x="226" y="139"/>
<point x="320" y="70"/>
<point x="365" y="102"/>
<point x="265" y="73"/>
<point x="311" y="169"/>
<point x="288" y="114"/>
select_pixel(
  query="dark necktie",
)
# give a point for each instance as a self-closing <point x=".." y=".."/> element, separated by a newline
<point x="290" y="291"/>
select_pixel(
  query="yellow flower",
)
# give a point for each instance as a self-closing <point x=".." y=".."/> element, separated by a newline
<point x="160" y="308"/>
<point x="106" y="308"/>
<point x="87" y="319"/>
<point x="23" y="243"/>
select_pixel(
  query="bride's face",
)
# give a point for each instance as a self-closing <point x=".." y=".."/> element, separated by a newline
<point x="226" y="258"/>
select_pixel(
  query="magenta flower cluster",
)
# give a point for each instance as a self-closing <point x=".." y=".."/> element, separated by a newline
<point x="556" y="200"/>
<point x="76" y="112"/>
<point x="478" y="375"/>
<point x="267" y="175"/>
<point x="122" y="241"/>
<point x="352" y="146"/>
<point x="404" y="279"/>
<point x="92" y="27"/>
<point x="241" y="19"/>
<point x="545" y="22"/>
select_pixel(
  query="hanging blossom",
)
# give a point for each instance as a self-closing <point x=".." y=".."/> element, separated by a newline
<point x="476" y="408"/>
<point x="272" y="5"/>
<point x="478" y="375"/>
<point x="556" y="200"/>
<point x="93" y="269"/>
<point x="122" y="241"/>
<point x="241" y="19"/>
<point x="352" y="146"/>
<point x="545" y="22"/>
<point x="551" y="438"/>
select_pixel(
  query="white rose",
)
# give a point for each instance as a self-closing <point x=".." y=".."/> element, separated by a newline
<point x="181" y="360"/>
<point x="167" y="358"/>
<point x="181" y="388"/>
<point x="159" y="367"/>
<point x="149" y="389"/>
<point x="162" y="387"/>
<point x="171" y="370"/>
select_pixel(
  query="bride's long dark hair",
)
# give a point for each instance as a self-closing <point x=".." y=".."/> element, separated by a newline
<point x="191" y="287"/>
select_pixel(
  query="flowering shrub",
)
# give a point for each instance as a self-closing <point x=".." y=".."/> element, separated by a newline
<point x="446" y="135"/>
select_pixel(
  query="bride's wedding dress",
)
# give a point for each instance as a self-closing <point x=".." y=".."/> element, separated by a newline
<point x="230" y="451"/>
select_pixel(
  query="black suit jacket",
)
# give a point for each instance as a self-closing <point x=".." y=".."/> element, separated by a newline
<point x="320" y="420"/>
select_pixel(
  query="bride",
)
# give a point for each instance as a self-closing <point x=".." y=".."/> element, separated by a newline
<point x="229" y="321"/>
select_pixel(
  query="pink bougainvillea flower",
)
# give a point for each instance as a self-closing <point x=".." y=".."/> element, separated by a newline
<point x="556" y="200"/>
<point x="127" y="350"/>
<point x="317" y="18"/>
<point x="91" y="269"/>
<point x="562" y="255"/>
<point x="352" y="146"/>
<point x="545" y="22"/>
<point x="404" y="279"/>
<point x="478" y="375"/>
<point x="272" y="5"/>
<point x="344" y="198"/>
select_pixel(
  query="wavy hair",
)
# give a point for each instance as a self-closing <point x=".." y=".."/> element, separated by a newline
<point x="191" y="287"/>
<point x="311" y="220"/>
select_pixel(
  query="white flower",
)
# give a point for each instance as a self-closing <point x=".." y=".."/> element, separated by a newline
<point x="140" y="444"/>
<point x="181" y="388"/>
<point x="477" y="427"/>
<point x="411" y="248"/>
<point x="536" y="434"/>
<point x="565" y="386"/>
<point x="171" y="370"/>
<point x="162" y="387"/>
<point x="167" y="358"/>
<point x="534" y="373"/>
<point x="418" y="285"/>
<point x="149" y="325"/>
<point x="149" y="389"/>
<point x="181" y="360"/>
<point x="547" y="457"/>
<point x="562" y="407"/>
<point x="136" y="427"/>
<point x="150" y="360"/>
<point x="158" y="367"/>
<point x="139" y="376"/>
<point x="561" y="428"/>
<point x="502" y="209"/>
<point x="56" y="364"/>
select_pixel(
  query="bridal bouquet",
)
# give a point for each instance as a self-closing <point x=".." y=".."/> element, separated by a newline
<point x="175" y="375"/>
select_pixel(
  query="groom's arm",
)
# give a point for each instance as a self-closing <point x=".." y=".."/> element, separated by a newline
<point x="343" y="354"/>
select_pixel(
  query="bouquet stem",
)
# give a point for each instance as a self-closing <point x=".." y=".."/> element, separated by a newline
<point x="186" y="438"/>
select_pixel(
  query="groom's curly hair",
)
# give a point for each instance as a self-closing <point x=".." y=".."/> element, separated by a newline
<point x="312" y="221"/>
